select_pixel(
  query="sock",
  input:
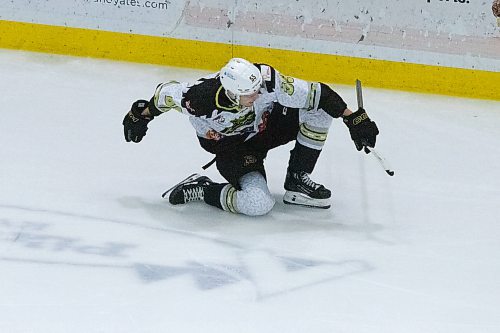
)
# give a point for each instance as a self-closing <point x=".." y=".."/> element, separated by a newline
<point x="222" y="196"/>
<point x="303" y="158"/>
<point x="212" y="194"/>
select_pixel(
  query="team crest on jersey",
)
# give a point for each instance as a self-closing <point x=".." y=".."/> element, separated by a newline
<point x="239" y="124"/>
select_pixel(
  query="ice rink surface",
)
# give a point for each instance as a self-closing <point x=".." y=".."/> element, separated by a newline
<point x="87" y="244"/>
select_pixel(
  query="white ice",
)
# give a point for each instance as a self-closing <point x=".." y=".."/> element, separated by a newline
<point x="87" y="244"/>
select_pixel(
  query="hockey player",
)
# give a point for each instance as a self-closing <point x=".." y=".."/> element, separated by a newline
<point x="239" y="114"/>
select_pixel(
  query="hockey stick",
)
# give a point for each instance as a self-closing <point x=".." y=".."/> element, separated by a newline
<point x="373" y="151"/>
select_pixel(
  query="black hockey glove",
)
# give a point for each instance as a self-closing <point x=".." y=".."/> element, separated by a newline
<point x="363" y="131"/>
<point x="135" y="125"/>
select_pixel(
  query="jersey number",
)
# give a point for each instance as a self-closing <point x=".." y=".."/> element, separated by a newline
<point x="287" y="85"/>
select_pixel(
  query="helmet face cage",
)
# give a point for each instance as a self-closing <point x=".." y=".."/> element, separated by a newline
<point x="240" y="78"/>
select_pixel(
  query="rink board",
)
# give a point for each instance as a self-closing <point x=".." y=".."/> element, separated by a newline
<point x="211" y="56"/>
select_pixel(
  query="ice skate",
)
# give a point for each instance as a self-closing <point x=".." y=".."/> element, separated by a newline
<point x="302" y="191"/>
<point x="191" y="188"/>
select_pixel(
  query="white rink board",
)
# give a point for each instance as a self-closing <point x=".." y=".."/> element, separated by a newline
<point x="461" y="33"/>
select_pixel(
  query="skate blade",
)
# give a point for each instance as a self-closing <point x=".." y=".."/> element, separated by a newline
<point x="300" y="199"/>
<point x="185" y="180"/>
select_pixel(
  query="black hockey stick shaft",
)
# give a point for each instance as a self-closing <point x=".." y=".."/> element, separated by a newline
<point x="373" y="151"/>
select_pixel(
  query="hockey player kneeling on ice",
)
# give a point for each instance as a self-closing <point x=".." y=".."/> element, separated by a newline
<point x="239" y="114"/>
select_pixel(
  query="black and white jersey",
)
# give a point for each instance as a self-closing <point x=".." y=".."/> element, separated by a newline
<point x="215" y="116"/>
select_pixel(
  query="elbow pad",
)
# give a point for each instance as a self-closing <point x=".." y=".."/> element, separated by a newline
<point x="331" y="102"/>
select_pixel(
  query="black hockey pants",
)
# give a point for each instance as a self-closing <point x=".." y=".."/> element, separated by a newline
<point x="236" y="158"/>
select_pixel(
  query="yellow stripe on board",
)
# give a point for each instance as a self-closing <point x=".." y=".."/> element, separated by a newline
<point x="379" y="73"/>
<point x="211" y="56"/>
<point x="112" y="45"/>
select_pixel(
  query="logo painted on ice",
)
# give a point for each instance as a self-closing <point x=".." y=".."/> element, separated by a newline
<point x="289" y="273"/>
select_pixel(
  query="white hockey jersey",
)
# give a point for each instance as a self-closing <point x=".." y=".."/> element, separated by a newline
<point x="215" y="116"/>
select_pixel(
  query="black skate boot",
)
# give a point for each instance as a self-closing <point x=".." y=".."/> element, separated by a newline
<point x="302" y="191"/>
<point x="190" y="189"/>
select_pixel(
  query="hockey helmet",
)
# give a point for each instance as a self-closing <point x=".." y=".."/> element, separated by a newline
<point x="240" y="77"/>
